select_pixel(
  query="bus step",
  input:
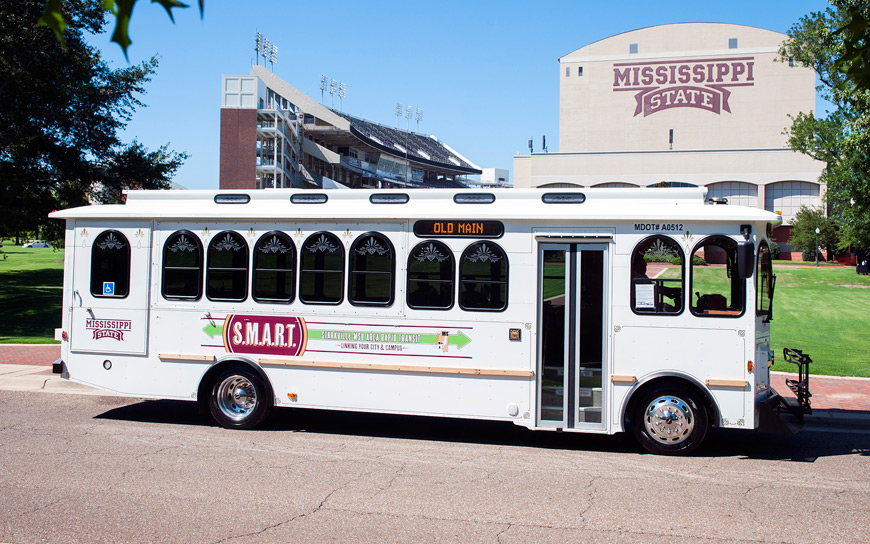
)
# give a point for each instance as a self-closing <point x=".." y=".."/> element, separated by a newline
<point x="780" y="415"/>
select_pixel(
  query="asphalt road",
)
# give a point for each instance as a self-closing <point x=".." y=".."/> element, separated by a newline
<point x="79" y="468"/>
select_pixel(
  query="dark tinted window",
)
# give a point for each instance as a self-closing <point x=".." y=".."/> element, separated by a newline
<point x="182" y="266"/>
<point x="274" y="268"/>
<point x="717" y="290"/>
<point x="110" y="265"/>
<point x="321" y="276"/>
<point x="657" y="276"/>
<point x="430" y="276"/>
<point x="372" y="267"/>
<point x="765" y="281"/>
<point x="483" y="276"/>
<point x="226" y="274"/>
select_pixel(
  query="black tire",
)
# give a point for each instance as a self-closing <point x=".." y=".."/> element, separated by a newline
<point x="670" y="420"/>
<point x="239" y="398"/>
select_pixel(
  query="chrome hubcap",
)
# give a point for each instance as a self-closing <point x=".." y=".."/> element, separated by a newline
<point x="236" y="397"/>
<point x="669" y="420"/>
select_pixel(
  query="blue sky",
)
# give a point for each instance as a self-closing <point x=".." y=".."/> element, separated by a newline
<point x="485" y="73"/>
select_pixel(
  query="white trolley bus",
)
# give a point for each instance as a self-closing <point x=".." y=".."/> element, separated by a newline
<point x="596" y="310"/>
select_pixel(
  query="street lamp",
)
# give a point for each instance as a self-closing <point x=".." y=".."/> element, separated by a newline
<point x="817" y="247"/>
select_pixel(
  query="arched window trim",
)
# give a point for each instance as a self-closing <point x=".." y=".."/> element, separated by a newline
<point x="485" y="254"/>
<point x="113" y="240"/>
<point x="275" y="247"/>
<point x="712" y="240"/>
<point x="224" y="241"/>
<point x="632" y="294"/>
<point x="432" y="254"/>
<point x="183" y="245"/>
<point x="319" y="242"/>
<point x="371" y="249"/>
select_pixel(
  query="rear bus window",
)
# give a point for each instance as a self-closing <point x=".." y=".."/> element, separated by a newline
<point x="226" y="274"/>
<point x="430" y="276"/>
<point x="717" y="291"/>
<point x="483" y="278"/>
<point x="321" y="275"/>
<point x="372" y="268"/>
<point x="274" y="268"/>
<point x="110" y="265"/>
<point x="182" y="267"/>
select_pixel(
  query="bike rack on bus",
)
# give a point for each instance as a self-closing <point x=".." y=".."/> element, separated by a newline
<point x="800" y="386"/>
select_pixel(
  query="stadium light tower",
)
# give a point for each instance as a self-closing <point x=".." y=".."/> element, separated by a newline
<point x="324" y="83"/>
<point x="409" y="111"/>
<point x="333" y="89"/>
<point x="419" y="117"/>
<point x="258" y="47"/>
<point x="342" y="92"/>
<point x="398" y="113"/>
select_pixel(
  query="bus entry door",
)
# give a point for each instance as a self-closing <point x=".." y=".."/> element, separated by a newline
<point x="571" y="295"/>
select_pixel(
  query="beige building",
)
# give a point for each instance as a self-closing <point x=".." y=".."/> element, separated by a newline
<point x="701" y="104"/>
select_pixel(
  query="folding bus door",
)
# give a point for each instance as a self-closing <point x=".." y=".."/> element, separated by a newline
<point x="571" y="295"/>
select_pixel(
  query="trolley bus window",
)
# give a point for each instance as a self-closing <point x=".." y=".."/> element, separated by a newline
<point x="483" y="278"/>
<point x="765" y="281"/>
<point x="657" y="277"/>
<point x="182" y="266"/>
<point x="274" y="268"/>
<point x="372" y="269"/>
<point x="430" y="276"/>
<point x="321" y="275"/>
<point x="226" y="272"/>
<point x="717" y="289"/>
<point x="110" y="265"/>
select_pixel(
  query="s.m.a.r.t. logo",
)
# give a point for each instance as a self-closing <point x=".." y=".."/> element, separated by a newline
<point x="703" y="83"/>
<point x="109" y="328"/>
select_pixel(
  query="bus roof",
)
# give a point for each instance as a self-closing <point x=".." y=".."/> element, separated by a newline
<point x="549" y="205"/>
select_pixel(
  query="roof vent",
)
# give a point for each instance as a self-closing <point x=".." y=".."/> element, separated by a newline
<point x="563" y="198"/>
<point x="474" y="198"/>
<point x="398" y="198"/>
<point x="232" y="199"/>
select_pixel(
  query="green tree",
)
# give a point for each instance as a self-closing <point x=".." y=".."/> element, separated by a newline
<point x="803" y="232"/>
<point x="841" y="139"/>
<point x="61" y="109"/>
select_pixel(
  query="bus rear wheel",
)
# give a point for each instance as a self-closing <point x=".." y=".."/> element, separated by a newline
<point x="670" y="420"/>
<point x="239" y="398"/>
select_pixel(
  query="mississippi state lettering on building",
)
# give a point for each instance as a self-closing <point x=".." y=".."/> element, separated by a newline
<point x="665" y="84"/>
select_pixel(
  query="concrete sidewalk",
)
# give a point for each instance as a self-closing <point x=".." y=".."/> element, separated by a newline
<point x="27" y="367"/>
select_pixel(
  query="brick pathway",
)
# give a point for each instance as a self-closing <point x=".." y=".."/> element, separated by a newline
<point x="29" y="354"/>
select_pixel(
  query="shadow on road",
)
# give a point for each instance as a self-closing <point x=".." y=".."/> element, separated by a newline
<point x="805" y="447"/>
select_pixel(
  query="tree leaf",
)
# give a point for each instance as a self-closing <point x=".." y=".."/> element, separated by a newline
<point x="169" y="4"/>
<point x="123" y="11"/>
<point x="53" y="19"/>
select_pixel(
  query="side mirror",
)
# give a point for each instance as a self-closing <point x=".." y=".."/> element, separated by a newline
<point x="745" y="259"/>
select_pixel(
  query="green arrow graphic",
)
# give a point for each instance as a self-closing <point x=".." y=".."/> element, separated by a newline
<point x="213" y="330"/>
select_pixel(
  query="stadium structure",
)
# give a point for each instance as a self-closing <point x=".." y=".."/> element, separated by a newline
<point x="273" y="135"/>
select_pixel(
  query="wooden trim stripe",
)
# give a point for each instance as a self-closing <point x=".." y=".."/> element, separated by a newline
<point x="623" y="379"/>
<point x="419" y="369"/>
<point x="193" y="357"/>
<point x="739" y="384"/>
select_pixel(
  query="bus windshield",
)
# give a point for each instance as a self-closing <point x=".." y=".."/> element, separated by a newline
<point x="765" y="282"/>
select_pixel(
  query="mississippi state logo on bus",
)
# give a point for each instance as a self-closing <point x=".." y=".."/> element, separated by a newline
<point x="109" y="328"/>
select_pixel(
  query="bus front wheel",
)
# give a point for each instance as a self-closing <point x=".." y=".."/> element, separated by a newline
<point x="670" y="420"/>
<point x="239" y="398"/>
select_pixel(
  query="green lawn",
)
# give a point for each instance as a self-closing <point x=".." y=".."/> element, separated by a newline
<point x="826" y="313"/>
<point x="31" y="285"/>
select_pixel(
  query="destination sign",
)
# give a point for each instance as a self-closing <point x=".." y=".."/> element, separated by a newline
<point x="458" y="229"/>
